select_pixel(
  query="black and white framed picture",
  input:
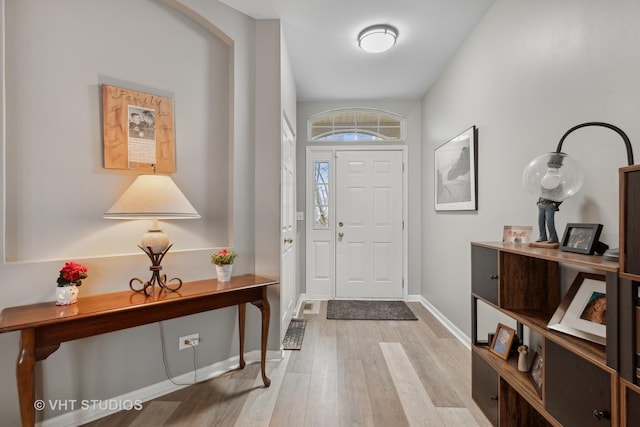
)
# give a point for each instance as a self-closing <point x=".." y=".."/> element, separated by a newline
<point x="456" y="185"/>
<point x="582" y="312"/>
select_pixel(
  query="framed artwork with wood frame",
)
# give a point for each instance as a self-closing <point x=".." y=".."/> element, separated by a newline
<point x="502" y="340"/>
<point x="138" y="130"/>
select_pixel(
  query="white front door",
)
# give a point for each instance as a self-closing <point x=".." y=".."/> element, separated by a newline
<point x="288" y="226"/>
<point x="368" y="229"/>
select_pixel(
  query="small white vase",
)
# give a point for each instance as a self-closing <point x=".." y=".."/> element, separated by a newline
<point x="224" y="272"/>
<point x="66" y="295"/>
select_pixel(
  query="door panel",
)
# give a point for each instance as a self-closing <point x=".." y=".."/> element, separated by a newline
<point x="369" y="224"/>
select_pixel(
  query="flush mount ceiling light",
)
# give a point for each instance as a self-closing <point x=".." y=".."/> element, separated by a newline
<point x="377" y="38"/>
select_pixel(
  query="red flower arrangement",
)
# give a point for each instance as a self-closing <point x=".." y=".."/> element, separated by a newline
<point x="223" y="257"/>
<point x="72" y="273"/>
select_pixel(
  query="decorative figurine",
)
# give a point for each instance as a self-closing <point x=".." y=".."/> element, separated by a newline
<point x="550" y="199"/>
<point x="553" y="177"/>
<point x="523" y="366"/>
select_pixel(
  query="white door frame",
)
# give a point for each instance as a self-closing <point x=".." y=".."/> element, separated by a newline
<point x="321" y="243"/>
<point x="288" y="225"/>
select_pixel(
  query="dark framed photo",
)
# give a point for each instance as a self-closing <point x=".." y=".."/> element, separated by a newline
<point x="581" y="238"/>
<point x="535" y="372"/>
<point x="582" y="312"/>
<point x="456" y="183"/>
<point x="502" y="340"/>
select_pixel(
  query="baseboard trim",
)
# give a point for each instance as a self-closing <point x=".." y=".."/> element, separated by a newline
<point x="461" y="336"/>
<point x="94" y="410"/>
<point x="299" y="305"/>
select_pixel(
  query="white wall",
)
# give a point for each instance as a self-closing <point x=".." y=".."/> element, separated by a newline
<point x="412" y="112"/>
<point x="275" y="100"/>
<point x="269" y="123"/>
<point x="202" y="54"/>
<point x="527" y="73"/>
<point x="53" y="75"/>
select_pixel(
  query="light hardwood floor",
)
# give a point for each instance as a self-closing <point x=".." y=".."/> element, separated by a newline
<point x="348" y="373"/>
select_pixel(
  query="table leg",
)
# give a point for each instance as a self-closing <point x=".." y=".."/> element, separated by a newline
<point x="25" y="376"/>
<point x="242" y="309"/>
<point x="266" y="312"/>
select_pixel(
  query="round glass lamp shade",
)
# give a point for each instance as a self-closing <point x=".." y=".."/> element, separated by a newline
<point x="553" y="176"/>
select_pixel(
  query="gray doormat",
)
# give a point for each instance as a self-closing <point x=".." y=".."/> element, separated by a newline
<point x="295" y="333"/>
<point x="369" y="310"/>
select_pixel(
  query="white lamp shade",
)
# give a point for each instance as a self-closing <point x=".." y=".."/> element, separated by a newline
<point x="150" y="197"/>
<point x="378" y="38"/>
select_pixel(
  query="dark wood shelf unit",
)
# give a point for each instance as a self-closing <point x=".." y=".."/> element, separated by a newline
<point x="630" y="222"/>
<point x="523" y="283"/>
<point x="628" y="297"/>
<point x="581" y="379"/>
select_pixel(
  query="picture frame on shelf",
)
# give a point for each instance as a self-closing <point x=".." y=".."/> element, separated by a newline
<point x="535" y="371"/>
<point x="456" y="179"/>
<point x="581" y="238"/>
<point x="517" y="234"/>
<point x="502" y="340"/>
<point x="582" y="312"/>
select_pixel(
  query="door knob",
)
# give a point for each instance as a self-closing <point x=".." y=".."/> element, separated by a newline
<point x="599" y="414"/>
<point x="340" y="236"/>
<point x="288" y="240"/>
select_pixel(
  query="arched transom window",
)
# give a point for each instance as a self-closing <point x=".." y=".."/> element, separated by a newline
<point x="355" y="125"/>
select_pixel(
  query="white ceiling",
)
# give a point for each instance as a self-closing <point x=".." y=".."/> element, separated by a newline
<point x="321" y="36"/>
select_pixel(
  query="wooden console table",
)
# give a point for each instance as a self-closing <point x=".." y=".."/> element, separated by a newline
<point x="44" y="326"/>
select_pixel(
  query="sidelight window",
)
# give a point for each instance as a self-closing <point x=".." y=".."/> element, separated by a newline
<point x="321" y="195"/>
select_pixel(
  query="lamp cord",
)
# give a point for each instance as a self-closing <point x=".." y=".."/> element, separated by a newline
<point x="166" y="365"/>
<point x="620" y="132"/>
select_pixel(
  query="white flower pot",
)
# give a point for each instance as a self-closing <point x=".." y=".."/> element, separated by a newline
<point x="66" y="295"/>
<point x="224" y="272"/>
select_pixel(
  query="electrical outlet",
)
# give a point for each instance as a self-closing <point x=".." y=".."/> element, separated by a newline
<point x="188" y="341"/>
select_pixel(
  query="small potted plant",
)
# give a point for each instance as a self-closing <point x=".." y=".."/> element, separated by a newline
<point x="223" y="259"/>
<point x="70" y="278"/>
